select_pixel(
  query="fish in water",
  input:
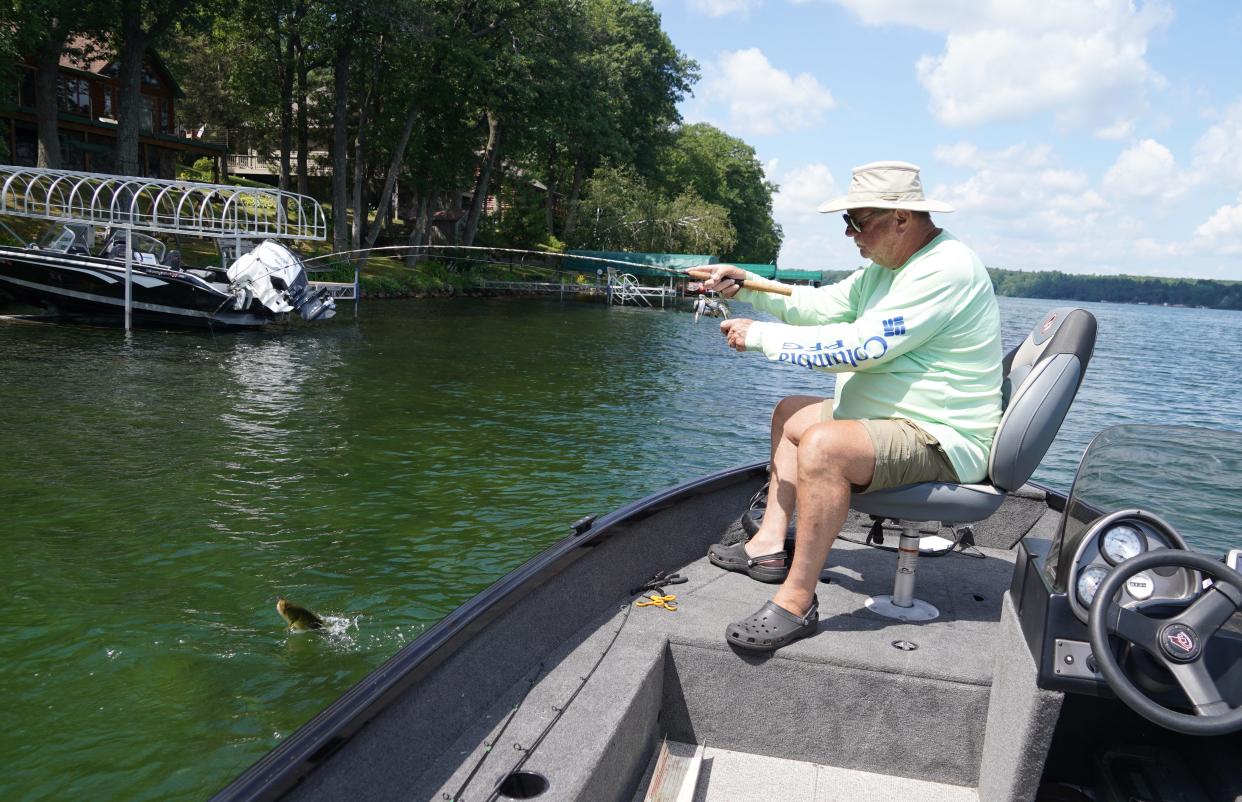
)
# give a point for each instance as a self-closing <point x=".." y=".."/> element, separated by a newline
<point x="298" y="618"/>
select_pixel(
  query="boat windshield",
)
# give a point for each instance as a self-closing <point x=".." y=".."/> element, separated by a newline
<point x="1189" y="477"/>
<point x="146" y="249"/>
<point x="60" y="238"/>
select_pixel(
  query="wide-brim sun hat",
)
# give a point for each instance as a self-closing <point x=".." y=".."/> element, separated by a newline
<point x="885" y="185"/>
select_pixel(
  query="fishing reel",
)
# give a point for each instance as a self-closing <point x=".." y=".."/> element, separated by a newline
<point x="711" y="307"/>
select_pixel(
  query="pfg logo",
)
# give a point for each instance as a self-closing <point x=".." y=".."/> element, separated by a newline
<point x="822" y="356"/>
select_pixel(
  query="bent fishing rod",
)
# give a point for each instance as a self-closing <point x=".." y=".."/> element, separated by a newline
<point x="701" y="272"/>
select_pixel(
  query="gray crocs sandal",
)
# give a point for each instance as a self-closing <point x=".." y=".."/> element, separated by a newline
<point x="765" y="568"/>
<point x="773" y="627"/>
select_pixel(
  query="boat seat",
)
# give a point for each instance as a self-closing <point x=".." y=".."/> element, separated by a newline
<point x="1041" y="378"/>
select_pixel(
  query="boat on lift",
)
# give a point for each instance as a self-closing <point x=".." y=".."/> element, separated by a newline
<point x="105" y="253"/>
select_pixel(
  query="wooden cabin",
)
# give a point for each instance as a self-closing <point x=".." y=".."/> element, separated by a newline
<point x="87" y="101"/>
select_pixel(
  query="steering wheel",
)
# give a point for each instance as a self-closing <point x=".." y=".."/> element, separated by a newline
<point x="1176" y="643"/>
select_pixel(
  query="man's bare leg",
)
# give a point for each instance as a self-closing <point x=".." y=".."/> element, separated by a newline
<point x="790" y="420"/>
<point x="831" y="456"/>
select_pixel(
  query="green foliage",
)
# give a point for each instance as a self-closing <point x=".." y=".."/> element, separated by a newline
<point x="572" y="86"/>
<point x="724" y="170"/>
<point x="1118" y="289"/>
<point x="624" y="213"/>
<point x="552" y="245"/>
<point x="388" y="277"/>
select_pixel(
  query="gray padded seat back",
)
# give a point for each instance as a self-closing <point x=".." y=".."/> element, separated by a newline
<point x="1042" y="376"/>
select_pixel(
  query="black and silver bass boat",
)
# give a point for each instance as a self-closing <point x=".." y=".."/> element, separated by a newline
<point x="1057" y="647"/>
<point x="105" y="253"/>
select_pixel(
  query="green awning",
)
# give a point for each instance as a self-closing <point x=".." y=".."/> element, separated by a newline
<point x="800" y="275"/>
<point x="659" y="264"/>
<point x="643" y="264"/>
<point x="781" y="274"/>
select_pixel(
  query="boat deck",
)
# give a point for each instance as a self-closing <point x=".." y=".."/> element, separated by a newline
<point x="915" y="718"/>
<point x="580" y="690"/>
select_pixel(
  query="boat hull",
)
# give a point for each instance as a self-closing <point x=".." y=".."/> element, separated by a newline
<point x="94" y="288"/>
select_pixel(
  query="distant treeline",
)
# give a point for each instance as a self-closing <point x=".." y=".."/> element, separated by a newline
<point x="1055" y="285"/>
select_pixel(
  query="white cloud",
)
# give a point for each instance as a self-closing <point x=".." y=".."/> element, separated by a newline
<point x="1085" y="62"/>
<point x="1146" y="170"/>
<point x="1023" y="185"/>
<point x="1023" y="208"/>
<point x="762" y="99"/>
<point x="1222" y="233"/>
<point x="723" y="8"/>
<point x="961" y="154"/>
<point x="813" y="241"/>
<point x="803" y="189"/>
<point x="994" y="75"/>
<point x="1020" y="208"/>
<point x="1119" y="129"/>
<point x="1217" y="156"/>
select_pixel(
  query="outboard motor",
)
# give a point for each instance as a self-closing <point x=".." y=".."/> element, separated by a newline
<point x="274" y="274"/>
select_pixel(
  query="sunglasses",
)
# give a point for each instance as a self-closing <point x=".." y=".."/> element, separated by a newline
<point x="856" y="224"/>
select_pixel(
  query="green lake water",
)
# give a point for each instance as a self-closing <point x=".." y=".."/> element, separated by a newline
<point x="161" y="487"/>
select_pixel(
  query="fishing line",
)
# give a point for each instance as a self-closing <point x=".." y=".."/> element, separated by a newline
<point x="542" y="254"/>
<point x="759" y="284"/>
<point x="560" y="711"/>
<point x="488" y="746"/>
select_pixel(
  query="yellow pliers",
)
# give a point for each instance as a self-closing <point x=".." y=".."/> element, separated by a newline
<point x="656" y="600"/>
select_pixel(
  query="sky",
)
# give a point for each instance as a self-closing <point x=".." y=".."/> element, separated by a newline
<point x="1088" y="136"/>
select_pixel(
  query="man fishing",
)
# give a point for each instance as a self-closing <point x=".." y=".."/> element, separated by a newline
<point x="914" y="338"/>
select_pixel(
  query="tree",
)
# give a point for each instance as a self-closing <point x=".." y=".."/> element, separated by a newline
<point x="616" y="82"/>
<point x="141" y="25"/>
<point x="622" y="212"/>
<point x="40" y="33"/>
<point x="724" y="170"/>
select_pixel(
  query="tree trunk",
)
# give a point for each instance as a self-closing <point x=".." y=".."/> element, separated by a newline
<point x="359" y="203"/>
<point x="47" y="63"/>
<point x="549" y="211"/>
<point x="302" y="122"/>
<point x="132" y="45"/>
<point x="394" y="168"/>
<point x="286" y="106"/>
<point x="340" y="146"/>
<point x="484" y="178"/>
<point x="418" y="233"/>
<point x="132" y="48"/>
<point x="571" y="207"/>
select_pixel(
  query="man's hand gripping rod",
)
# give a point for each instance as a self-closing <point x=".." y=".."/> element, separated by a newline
<point x="759" y="284"/>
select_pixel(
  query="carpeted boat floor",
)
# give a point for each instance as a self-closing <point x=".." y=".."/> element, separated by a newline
<point x="867" y="714"/>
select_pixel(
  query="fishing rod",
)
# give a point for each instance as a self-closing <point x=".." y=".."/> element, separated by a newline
<point x="701" y="272"/>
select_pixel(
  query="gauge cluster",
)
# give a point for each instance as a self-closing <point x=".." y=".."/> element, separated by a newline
<point x="1112" y="540"/>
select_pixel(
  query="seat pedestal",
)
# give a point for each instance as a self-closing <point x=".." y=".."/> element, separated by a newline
<point x="902" y="604"/>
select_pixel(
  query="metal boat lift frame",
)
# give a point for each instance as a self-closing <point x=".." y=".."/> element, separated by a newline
<point x="130" y="203"/>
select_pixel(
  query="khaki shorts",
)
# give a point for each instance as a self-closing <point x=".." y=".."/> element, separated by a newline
<point x="904" y="453"/>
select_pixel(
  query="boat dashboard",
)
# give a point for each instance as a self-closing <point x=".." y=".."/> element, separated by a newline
<point x="1138" y="596"/>
<point x="1115" y="538"/>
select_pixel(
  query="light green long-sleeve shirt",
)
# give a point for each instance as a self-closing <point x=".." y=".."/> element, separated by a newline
<point x="919" y="342"/>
